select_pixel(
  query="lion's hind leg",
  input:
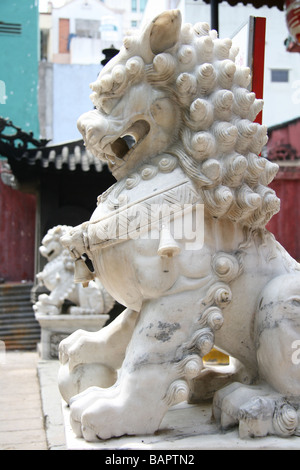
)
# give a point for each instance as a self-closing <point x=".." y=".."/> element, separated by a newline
<point x="278" y="334"/>
<point x="257" y="410"/>
<point x="273" y="405"/>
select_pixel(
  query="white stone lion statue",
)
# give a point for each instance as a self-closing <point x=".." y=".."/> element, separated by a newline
<point x="174" y="119"/>
<point x="58" y="277"/>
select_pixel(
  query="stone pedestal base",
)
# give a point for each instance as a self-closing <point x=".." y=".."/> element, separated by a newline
<point x="185" y="427"/>
<point x="54" y="328"/>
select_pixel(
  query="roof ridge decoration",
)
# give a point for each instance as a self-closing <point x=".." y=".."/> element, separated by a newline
<point x="19" y="139"/>
<point x="27" y="155"/>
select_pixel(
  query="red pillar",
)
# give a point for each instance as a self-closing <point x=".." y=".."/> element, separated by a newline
<point x="286" y="224"/>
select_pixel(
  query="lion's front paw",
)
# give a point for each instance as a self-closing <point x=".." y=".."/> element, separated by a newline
<point x="93" y="415"/>
<point x="257" y="410"/>
<point x="46" y="306"/>
<point x="99" y="413"/>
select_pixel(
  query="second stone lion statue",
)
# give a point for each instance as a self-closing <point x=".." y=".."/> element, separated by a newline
<point x="58" y="277"/>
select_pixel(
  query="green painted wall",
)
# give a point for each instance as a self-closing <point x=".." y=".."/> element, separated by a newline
<point x="19" y="55"/>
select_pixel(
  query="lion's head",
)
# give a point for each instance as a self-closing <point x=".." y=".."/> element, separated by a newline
<point x="51" y="246"/>
<point x="176" y="89"/>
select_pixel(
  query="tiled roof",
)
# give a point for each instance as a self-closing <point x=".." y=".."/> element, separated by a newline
<point x="68" y="156"/>
<point x="28" y="157"/>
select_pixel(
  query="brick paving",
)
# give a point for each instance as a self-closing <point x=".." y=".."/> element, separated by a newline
<point x="21" y="416"/>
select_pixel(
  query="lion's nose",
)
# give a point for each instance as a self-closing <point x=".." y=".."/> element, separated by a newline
<point x="82" y="126"/>
<point x="93" y="126"/>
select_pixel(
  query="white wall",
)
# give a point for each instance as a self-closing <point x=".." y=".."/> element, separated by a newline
<point x="281" y="99"/>
<point x="63" y="96"/>
<point x="86" y="51"/>
<point x="71" y="98"/>
<point x="89" y="10"/>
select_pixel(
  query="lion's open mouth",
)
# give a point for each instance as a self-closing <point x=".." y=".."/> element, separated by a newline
<point x="127" y="142"/>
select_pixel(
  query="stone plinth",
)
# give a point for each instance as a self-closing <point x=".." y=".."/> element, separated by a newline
<point x="184" y="427"/>
<point x="54" y="328"/>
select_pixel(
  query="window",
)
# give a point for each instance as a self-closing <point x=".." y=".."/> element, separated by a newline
<point x="133" y="5"/>
<point x="279" y="75"/>
<point x="134" y="24"/>
<point x="87" y="28"/>
<point x="138" y="5"/>
<point x="143" y="4"/>
<point x="44" y="39"/>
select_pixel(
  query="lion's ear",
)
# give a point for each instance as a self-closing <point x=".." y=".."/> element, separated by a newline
<point x="165" y="31"/>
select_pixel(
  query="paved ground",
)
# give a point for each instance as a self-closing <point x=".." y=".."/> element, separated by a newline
<point x="22" y="421"/>
<point x="32" y="417"/>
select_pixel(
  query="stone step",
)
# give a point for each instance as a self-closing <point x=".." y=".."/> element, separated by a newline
<point x="18" y="326"/>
